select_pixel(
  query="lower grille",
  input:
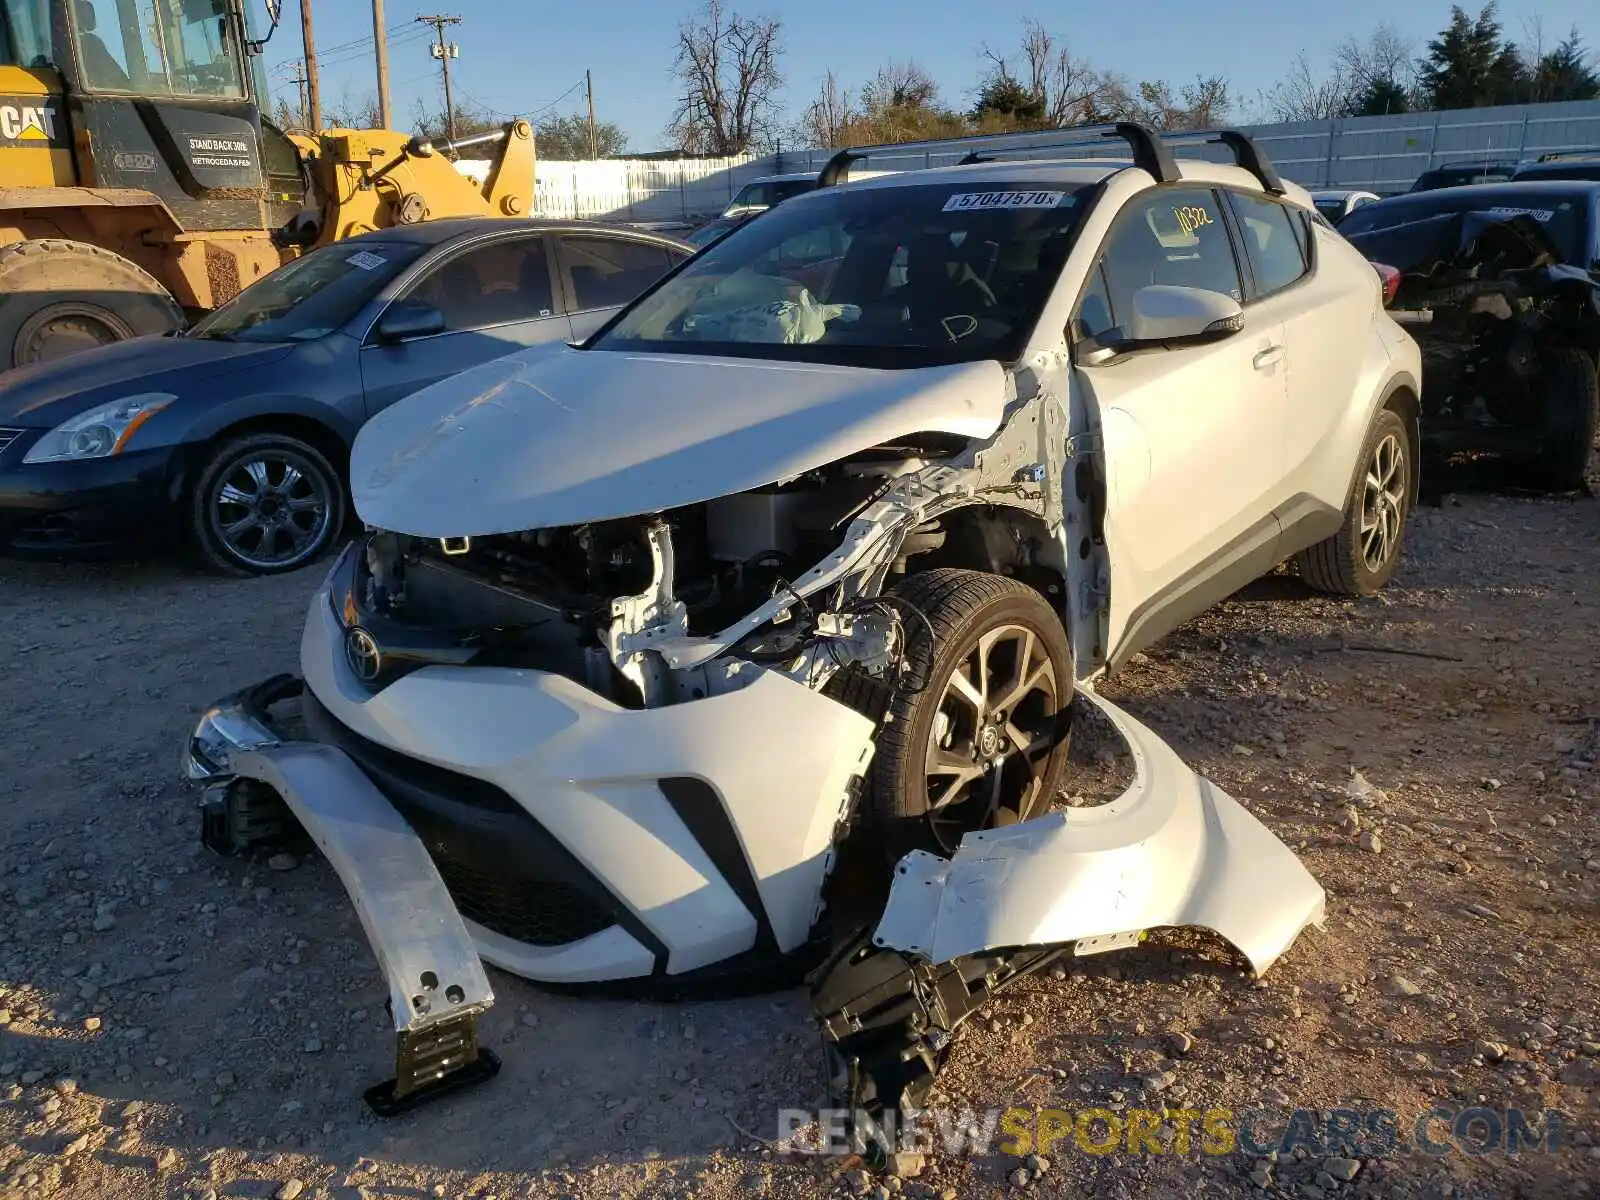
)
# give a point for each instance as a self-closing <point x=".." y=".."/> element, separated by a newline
<point x="536" y="911"/>
<point x="502" y="868"/>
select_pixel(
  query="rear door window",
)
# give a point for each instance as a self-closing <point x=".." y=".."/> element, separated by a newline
<point x="605" y="272"/>
<point x="1274" y="241"/>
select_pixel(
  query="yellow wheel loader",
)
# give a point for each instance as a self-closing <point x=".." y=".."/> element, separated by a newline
<point x="140" y="184"/>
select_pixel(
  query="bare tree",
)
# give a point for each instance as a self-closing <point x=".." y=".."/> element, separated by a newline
<point x="1385" y="63"/>
<point x="1065" y="88"/>
<point x="1305" y="95"/>
<point x="1202" y="104"/>
<point x="727" y="66"/>
<point x="901" y="104"/>
<point x="828" y="118"/>
<point x="899" y="85"/>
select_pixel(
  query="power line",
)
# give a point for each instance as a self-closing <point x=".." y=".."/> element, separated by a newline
<point x="412" y="37"/>
<point x="392" y="31"/>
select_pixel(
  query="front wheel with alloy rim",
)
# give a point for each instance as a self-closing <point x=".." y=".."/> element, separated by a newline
<point x="1360" y="558"/>
<point x="264" y="504"/>
<point x="979" y="737"/>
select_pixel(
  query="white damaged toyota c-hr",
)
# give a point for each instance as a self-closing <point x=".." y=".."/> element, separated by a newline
<point x="825" y="532"/>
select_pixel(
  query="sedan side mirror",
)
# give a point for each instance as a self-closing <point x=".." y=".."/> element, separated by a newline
<point x="404" y="322"/>
<point x="1166" y="315"/>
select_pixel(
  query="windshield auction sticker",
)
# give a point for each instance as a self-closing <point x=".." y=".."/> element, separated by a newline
<point x="972" y="201"/>
<point x="366" y="260"/>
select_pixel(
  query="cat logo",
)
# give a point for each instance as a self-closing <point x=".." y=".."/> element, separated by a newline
<point x="29" y="124"/>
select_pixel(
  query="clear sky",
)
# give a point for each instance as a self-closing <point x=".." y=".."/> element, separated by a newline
<point x="522" y="58"/>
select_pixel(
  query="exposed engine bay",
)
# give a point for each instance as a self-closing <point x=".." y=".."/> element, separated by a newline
<point x="566" y="600"/>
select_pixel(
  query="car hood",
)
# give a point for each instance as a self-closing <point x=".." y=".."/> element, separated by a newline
<point x="44" y="395"/>
<point x="558" y="436"/>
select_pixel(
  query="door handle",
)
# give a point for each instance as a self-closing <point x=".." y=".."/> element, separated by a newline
<point x="1270" y="357"/>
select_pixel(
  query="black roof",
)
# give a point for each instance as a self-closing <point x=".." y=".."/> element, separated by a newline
<point x="446" y="229"/>
<point x="1458" y="197"/>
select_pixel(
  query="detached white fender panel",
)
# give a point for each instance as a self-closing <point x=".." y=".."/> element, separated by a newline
<point x="1174" y="849"/>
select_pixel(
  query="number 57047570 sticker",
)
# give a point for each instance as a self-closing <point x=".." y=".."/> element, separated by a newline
<point x="972" y="201"/>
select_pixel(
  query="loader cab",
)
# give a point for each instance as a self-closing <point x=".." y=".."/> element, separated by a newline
<point x="158" y="96"/>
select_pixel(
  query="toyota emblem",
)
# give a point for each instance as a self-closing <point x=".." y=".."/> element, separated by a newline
<point x="361" y="649"/>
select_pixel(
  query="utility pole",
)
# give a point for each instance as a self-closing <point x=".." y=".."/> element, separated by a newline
<point x="313" y="103"/>
<point x="444" y="53"/>
<point x="381" y="39"/>
<point x="300" y="86"/>
<point x="594" y="138"/>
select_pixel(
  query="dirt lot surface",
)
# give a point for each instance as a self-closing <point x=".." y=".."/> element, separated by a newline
<point x="176" y="1025"/>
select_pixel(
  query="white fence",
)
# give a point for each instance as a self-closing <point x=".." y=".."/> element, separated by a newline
<point x="1380" y="154"/>
<point x="642" y="190"/>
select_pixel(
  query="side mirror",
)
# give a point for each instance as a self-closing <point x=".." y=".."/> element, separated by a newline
<point x="1164" y="315"/>
<point x="403" y="322"/>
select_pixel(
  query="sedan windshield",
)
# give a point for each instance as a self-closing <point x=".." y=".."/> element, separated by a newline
<point x="903" y="276"/>
<point x="310" y="297"/>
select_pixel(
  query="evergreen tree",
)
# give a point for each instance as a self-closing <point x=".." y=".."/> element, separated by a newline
<point x="1469" y="65"/>
<point x="1565" y="73"/>
<point x="1379" y="98"/>
<point x="1004" y="102"/>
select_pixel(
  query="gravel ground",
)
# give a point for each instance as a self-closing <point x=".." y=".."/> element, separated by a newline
<point x="175" y="1025"/>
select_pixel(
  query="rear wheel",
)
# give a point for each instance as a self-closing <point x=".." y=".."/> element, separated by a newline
<point x="980" y="740"/>
<point x="59" y="297"/>
<point x="1360" y="558"/>
<point x="264" y="504"/>
<point x="1569" y="402"/>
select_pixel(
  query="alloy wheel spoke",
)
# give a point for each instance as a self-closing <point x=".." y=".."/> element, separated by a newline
<point x="233" y="495"/>
<point x="953" y="762"/>
<point x="257" y="470"/>
<point x="1041" y="674"/>
<point x="967" y="691"/>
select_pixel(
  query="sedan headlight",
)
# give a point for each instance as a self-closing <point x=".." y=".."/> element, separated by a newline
<point x="100" y="432"/>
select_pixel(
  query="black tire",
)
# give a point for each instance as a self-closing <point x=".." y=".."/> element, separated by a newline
<point x="287" y="532"/>
<point x="1569" y="399"/>
<point x="1346" y="564"/>
<point x="963" y="607"/>
<point x="59" y="298"/>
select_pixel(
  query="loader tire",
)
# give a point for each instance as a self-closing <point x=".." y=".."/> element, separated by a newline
<point x="59" y="297"/>
<point x="1570" y="411"/>
<point x="933" y="776"/>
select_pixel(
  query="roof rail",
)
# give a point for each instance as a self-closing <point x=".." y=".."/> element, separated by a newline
<point x="1152" y="152"/>
<point x="837" y="168"/>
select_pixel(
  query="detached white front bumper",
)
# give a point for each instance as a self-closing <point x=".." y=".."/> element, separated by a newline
<point x="706" y="827"/>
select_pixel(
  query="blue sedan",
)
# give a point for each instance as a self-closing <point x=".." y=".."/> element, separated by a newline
<point x="236" y="432"/>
